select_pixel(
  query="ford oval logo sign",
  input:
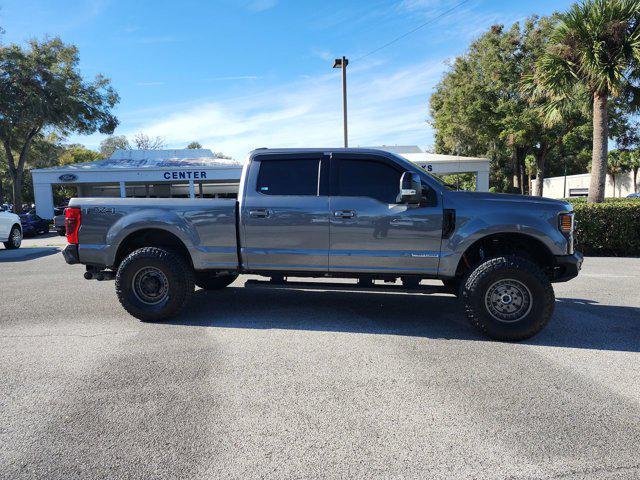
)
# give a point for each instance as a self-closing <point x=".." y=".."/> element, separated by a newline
<point x="68" y="177"/>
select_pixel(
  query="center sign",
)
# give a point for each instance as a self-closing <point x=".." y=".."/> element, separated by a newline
<point x="185" y="175"/>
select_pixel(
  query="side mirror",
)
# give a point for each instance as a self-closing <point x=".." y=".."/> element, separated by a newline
<point x="410" y="188"/>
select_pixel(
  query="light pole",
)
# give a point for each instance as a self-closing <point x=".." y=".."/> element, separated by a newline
<point x="342" y="63"/>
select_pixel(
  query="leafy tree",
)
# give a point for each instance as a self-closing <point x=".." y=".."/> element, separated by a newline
<point x="194" y="145"/>
<point x="41" y="89"/>
<point x="113" y="143"/>
<point x="78" y="154"/>
<point x="483" y="107"/>
<point x="144" y="142"/>
<point x="617" y="164"/>
<point x="595" y="52"/>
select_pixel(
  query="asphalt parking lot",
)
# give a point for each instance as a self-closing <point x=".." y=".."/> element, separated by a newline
<point x="258" y="383"/>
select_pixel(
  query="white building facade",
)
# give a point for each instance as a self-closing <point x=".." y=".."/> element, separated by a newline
<point x="578" y="186"/>
<point x="141" y="173"/>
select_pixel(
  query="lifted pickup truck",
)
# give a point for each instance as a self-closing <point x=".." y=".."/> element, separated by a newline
<point x="363" y="214"/>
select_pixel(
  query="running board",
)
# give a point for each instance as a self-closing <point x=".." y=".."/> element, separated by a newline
<point x="354" y="287"/>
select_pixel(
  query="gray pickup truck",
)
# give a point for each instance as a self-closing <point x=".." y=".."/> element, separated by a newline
<point x="362" y="214"/>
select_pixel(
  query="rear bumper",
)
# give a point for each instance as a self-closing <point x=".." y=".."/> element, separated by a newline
<point x="567" y="267"/>
<point x="70" y="254"/>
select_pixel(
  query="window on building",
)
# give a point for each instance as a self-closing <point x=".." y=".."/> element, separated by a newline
<point x="365" y="178"/>
<point x="288" y="177"/>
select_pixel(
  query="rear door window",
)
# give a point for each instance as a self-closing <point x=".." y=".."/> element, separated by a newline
<point x="289" y="177"/>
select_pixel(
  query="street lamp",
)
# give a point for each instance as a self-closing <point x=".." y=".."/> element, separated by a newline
<point x="342" y="63"/>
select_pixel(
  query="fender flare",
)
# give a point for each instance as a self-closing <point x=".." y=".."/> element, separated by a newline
<point x="147" y="219"/>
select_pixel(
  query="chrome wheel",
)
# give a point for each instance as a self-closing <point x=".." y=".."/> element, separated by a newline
<point x="508" y="300"/>
<point x="16" y="238"/>
<point x="150" y="285"/>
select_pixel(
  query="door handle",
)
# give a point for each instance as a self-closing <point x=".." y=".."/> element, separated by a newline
<point x="259" y="213"/>
<point x="344" y="213"/>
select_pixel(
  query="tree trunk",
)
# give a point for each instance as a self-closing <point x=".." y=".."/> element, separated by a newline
<point x="635" y="178"/>
<point x="600" y="149"/>
<point x="18" y="182"/>
<point x="522" y="188"/>
<point x="17" y="171"/>
<point x="518" y="157"/>
<point x="540" y="164"/>
<point x="516" y="169"/>
<point x="613" y="178"/>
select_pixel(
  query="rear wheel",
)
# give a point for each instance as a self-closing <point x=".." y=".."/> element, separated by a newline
<point x="508" y="298"/>
<point x="211" y="281"/>
<point x="153" y="283"/>
<point x="15" y="239"/>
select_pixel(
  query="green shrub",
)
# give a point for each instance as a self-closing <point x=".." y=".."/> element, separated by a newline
<point x="577" y="200"/>
<point x="610" y="228"/>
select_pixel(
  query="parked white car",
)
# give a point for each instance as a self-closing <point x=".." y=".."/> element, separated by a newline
<point x="10" y="230"/>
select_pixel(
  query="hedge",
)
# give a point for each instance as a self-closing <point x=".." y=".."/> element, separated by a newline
<point x="608" y="229"/>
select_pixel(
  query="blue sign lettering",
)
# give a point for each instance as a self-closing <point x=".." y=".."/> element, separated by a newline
<point x="185" y="175"/>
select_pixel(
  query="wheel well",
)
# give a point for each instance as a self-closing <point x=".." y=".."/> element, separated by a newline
<point x="506" y="244"/>
<point x="151" y="237"/>
<point x="17" y="225"/>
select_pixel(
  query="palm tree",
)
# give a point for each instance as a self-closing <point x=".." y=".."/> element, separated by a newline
<point x="634" y="166"/>
<point x="594" y="52"/>
<point x="617" y="164"/>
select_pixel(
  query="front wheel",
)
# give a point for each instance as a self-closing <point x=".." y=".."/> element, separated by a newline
<point x="154" y="284"/>
<point x="508" y="298"/>
<point x="15" y="239"/>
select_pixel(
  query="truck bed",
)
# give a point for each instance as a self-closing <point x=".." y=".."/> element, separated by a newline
<point x="207" y="227"/>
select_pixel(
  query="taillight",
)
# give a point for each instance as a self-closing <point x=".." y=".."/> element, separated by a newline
<point x="72" y="220"/>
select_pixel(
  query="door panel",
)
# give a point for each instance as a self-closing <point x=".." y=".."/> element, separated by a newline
<point x="376" y="236"/>
<point x="284" y="231"/>
<point x="5" y="225"/>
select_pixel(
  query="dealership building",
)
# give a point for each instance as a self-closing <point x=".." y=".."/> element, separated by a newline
<point x="578" y="186"/>
<point x="194" y="173"/>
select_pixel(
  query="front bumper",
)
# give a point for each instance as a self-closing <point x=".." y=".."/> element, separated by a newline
<point x="567" y="267"/>
<point x="70" y="254"/>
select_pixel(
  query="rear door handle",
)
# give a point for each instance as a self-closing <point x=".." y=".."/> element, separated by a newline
<point x="259" y="213"/>
<point x="344" y="213"/>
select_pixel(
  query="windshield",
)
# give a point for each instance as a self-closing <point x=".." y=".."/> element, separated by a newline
<point x="437" y="179"/>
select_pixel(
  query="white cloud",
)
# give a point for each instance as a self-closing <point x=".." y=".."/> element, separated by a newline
<point x="325" y="55"/>
<point x="389" y="108"/>
<point x="233" y="77"/>
<point x="260" y="5"/>
<point x="157" y="39"/>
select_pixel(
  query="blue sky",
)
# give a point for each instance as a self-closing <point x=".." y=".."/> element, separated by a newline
<point x="237" y="75"/>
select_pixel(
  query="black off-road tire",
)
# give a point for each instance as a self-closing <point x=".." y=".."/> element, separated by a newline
<point x="179" y="276"/>
<point x="12" y="243"/>
<point x="211" y="281"/>
<point x="476" y="286"/>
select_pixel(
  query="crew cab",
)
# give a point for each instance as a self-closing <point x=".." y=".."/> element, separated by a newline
<point x="364" y="214"/>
